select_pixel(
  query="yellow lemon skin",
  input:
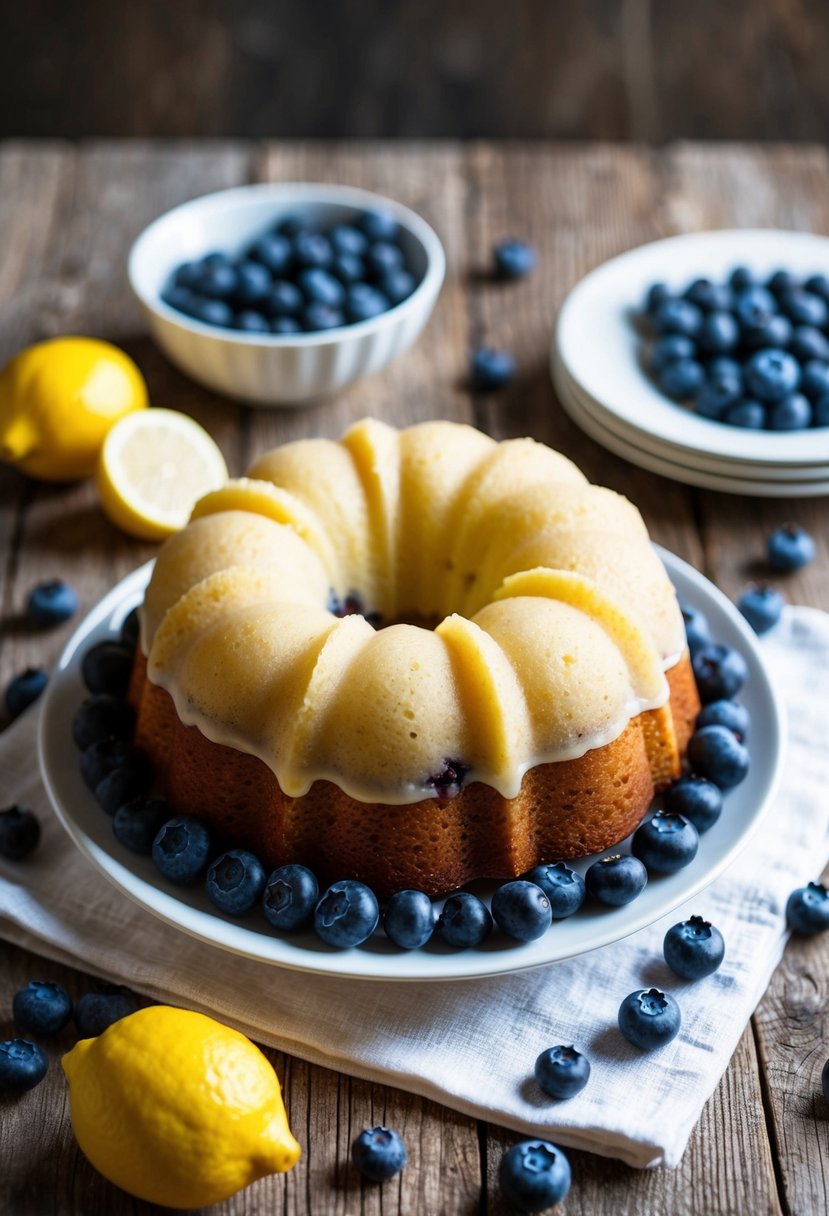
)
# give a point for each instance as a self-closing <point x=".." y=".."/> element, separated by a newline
<point x="177" y="1109"/>
<point x="58" y="399"/>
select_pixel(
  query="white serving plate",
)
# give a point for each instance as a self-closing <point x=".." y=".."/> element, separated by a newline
<point x="598" y="343"/>
<point x="188" y="909"/>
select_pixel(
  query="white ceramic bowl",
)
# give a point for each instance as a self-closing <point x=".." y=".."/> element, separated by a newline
<point x="270" y="369"/>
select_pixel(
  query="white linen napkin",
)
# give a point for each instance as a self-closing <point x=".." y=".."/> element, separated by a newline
<point x="471" y="1045"/>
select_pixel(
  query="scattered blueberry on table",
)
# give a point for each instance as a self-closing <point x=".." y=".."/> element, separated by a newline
<point x="19" y="832"/>
<point x="41" y="1008"/>
<point x="300" y="277"/>
<point x="51" y="603"/>
<point x="514" y="259"/>
<point x="534" y="1175"/>
<point x="807" y="909"/>
<point x="649" y="1018"/>
<point x="379" y="1153"/>
<point x="24" y="689"/>
<point x="562" y="1072"/>
<point x="23" y="1065"/>
<point x="694" y="948"/>
<point x="741" y="352"/>
<point x="790" y="548"/>
<point x="491" y="369"/>
<point x="762" y="606"/>
<point x="95" y="1011"/>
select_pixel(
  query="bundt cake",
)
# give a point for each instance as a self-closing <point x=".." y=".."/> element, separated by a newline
<point x="413" y="658"/>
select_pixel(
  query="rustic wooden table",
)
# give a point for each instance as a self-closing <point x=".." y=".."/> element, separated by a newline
<point x="67" y="217"/>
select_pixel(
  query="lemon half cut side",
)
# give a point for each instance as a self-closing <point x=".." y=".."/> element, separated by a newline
<point x="154" y="466"/>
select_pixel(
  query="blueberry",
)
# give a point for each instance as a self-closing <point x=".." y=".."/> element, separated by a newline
<point x="284" y="300"/>
<point x="762" y="606"/>
<point x="742" y="279"/>
<point x="666" y="842"/>
<point x="724" y="365"/>
<point x="312" y="249"/>
<point x="771" y="375"/>
<point x="319" y="317"/>
<point x="563" y="887"/>
<point x="669" y="349"/>
<point x="182" y="299"/>
<point x="181" y="848"/>
<point x="616" y="880"/>
<point x="378" y="225"/>
<point x="820" y="412"/>
<point x="137" y="823"/>
<point x="521" y="910"/>
<point x="251" y="322"/>
<point x="409" y="919"/>
<point x="534" y="1175"/>
<point x="807" y="909"/>
<point x="213" y="312"/>
<point x="649" y="1018"/>
<point x="562" y="1072"/>
<point x="491" y="369"/>
<point x="219" y="282"/>
<point x="217" y="258"/>
<point x="677" y="317"/>
<point x="808" y="343"/>
<point x="95" y="1011"/>
<point x="715" y="397"/>
<point x="285" y="325"/>
<point x="720" y="672"/>
<point x="694" y="948"/>
<point x="803" y="308"/>
<point x="514" y="259"/>
<point x="254" y="283"/>
<point x="726" y="713"/>
<point x="52" y="603"/>
<point x="715" y="753"/>
<point x="681" y="379"/>
<point x="347" y="914"/>
<point x="379" y="1153"/>
<point x="364" y="302"/>
<point x="348" y="268"/>
<point x="710" y="297"/>
<point x="770" y="330"/>
<point x="697" y="630"/>
<point x="793" y="413"/>
<point x="750" y="415"/>
<point x="753" y="307"/>
<point x="188" y="275"/>
<point x="814" y="379"/>
<point x="24" y="689"/>
<point x="719" y="332"/>
<point x="130" y="629"/>
<point x="290" y="896"/>
<point x="465" y="921"/>
<point x="274" y="252"/>
<point x="19" y="832"/>
<point x="105" y="755"/>
<point x="347" y="239"/>
<point x="235" y="882"/>
<point x="23" y="1065"/>
<point x="292" y="225"/>
<point x="106" y="668"/>
<point x="790" y="548"/>
<point x="818" y="284"/>
<point x="320" y="287"/>
<point x="397" y="286"/>
<point x="697" y="800"/>
<point x="122" y="785"/>
<point x="783" y="281"/>
<point x="41" y="1008"/>
<point x="657" y="294"/>
<point x="382" y="257"/>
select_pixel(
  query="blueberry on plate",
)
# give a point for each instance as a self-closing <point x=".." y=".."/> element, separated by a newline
<point x="720" y="672"/>
<point x="106" y="668"/>
<point x="346" y="914"/>
<point x="491" y="369"/>
<point x="409" y="919"/>
<point x="807" y="909"/>
<point x="102" y="716"/>
<point x="137" y="823"/>
<point x="820" y="411"/>
<point x="378" y="225"/>
<point x="254" y="283"/>
<point x="212" y="312"/>
<point x="312" y="249"/>
<point x="382" y="257"/>
<point x="771" y="375"/>
<point x="818" y="284"/>
<point x="465" y="921"/>
<point x="715" y="753"/>
<point x="24" y="689"/>
<point x="670" y="349"/>
<point x="23" y="1065"/>
<point x="656" y="294"/>
<point x="681" y="379"/>
<point x="349" y="268"/>
<point x="121" y="785"/>
<point x="397" y="286"/>
<point x="534" y="1175"/>
<point x="790" y="548"/>
<point x="808" y="343"/>
<point x="762" y="606"/>
<point x="742" y="279"/>
<point x="814" y="379"/>
<point x="182" y="299"/>
<point x="793" y="413"/>
<point x="694" y="948"/>
<point x="718" y="333"/>
<point x="292" y="225"/>
<point x="522" y="910"/>
<point x="379" y="1153"/>
<point x="130" y="629"/>
<point x="285" y="325"/>
<point x="710" y="297"/>
<point x="284" y="300"/>
<point x="616" y="880"/>
<point x="563" y="887"/>
<point x="697" y="631"/>
<point x="188" y="275"/>
<point x="649" y="1018"/>
<point x="782" y="281"/>
<point x="677" y="317"/>
<point x="52" y="603"/>
<point x="514" y="259"/>
<point x="347" y="239"/>
<point x="726" y="713"/>
<point x="562" y="1072"/>
<point x="251" y="322"/>
<point x="41" y="1008"/>
<point x="19" y="832"/>
<point x="773" y="331"/>
<point x="273" y="251"/>
<point x="95" y="1011"/>
<point x="804" y="308"/>
<point x="219" y="282"/>
<point x="666" y="842"/>
<point x="320" y="287"/>
<point x="716" y="396"/>
<point x="235" y="881"/>
<point x="364" y="302"/>
<point x="695" y="799"/>
<point x="319" y="317"/>
<point x="750" y="415"/>
<point x="181" y="848"/>
<point x="290" y="896"/>
<point x="106" y="755"/>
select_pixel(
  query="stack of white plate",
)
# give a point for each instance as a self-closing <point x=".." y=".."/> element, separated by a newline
<point x="597" y="363"/>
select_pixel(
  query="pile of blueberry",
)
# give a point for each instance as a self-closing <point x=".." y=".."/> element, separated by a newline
<point x="747" y="352"/>
<point x="299" y="277"/>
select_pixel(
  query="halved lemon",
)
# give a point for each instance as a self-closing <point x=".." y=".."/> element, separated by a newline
<point x="155" y="464"/>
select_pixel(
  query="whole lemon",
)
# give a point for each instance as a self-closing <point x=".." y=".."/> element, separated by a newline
<point x="58" y="399"/>
<point x="177" y="1109"/>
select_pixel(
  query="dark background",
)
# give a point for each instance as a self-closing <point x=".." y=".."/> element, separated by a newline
<point x="585" y="69"/>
